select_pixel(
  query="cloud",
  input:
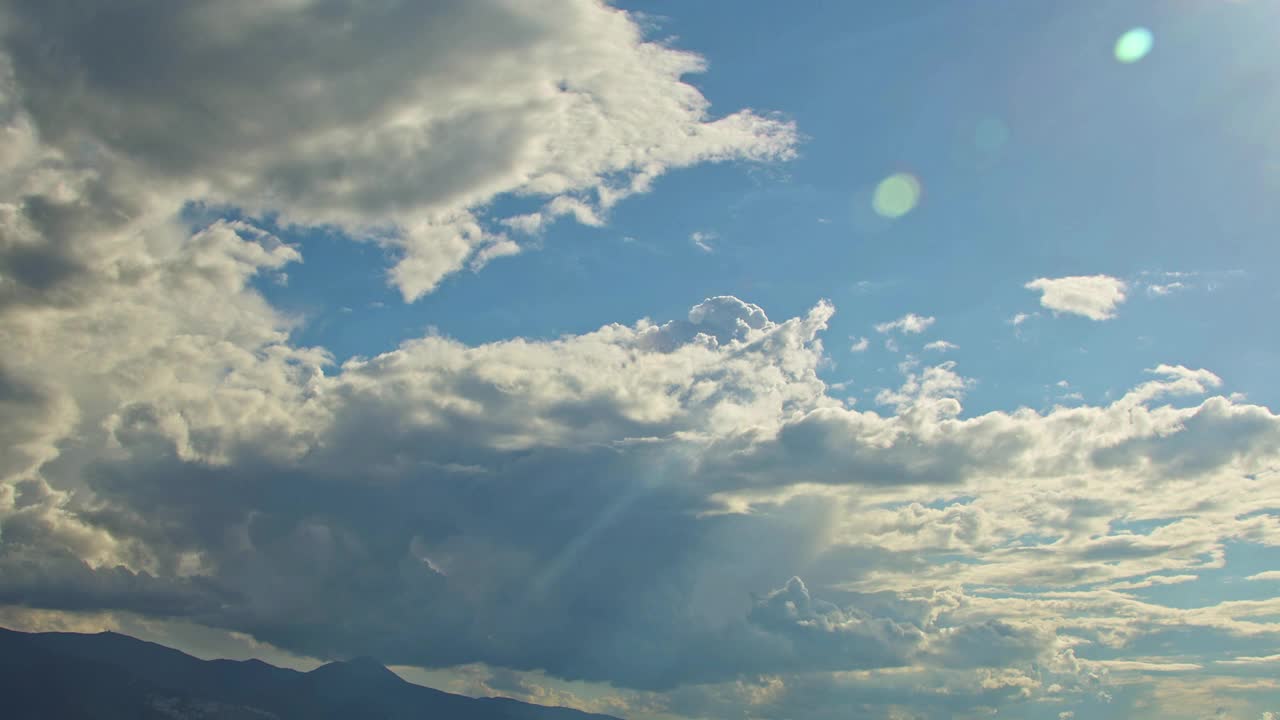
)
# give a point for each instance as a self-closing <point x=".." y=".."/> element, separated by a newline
<point x="909" y="324"/>
<point x="1145" y="667"/>
<point x="221" y="475"/>
<point x="941" y="346"/>
<point x="1092" y="296"/>
<point x="1165" y="289"/>
<point x="397" y="124"/>
<point x="1247" y="660"/>
<point x="414" y="493"/>
<point x="704" y="241"/>
<point x="1153" y="581"/>
<point x="675" y="508"/>
<point x="1161" y="284"/>
<point x="1267" y="575"/>
<point x="860" y="345"/>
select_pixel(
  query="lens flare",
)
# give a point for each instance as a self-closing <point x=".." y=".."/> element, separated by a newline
<point x="1134" y="45"/>
<point x="896" y="195"/>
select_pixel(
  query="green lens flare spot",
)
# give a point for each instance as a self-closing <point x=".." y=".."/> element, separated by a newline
<point x="1134" y="45"/>
<point x="896" y="195"/>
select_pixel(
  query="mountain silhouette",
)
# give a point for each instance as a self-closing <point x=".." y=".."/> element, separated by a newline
<point x="109" y="676"/>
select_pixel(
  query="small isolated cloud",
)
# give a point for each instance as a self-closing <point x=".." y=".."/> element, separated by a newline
<point x="1159" y="284"/>
<point x="941" y="346"/>
<point x="1158" y="290"/>
<point x="1092" y="296"/>
<point x="909" y="324"/>
<point x="1021" y="317"/>
<point x="859" y="345"/>
<point x="1268" y="575"/>
<point x="704" y="240"/>
<point x="866" y="287"/>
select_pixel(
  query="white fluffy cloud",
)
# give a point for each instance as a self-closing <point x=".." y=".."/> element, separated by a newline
<point x="397" y="123"/>
<point x="1091" y="296"/>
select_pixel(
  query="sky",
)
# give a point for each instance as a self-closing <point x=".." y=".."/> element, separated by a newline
<point x="666" y="360"/>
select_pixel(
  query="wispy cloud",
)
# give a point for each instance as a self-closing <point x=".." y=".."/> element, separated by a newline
<point x="1252" y="660"/>
<point x="909" y="324"/>
<point x="704" y="240"/>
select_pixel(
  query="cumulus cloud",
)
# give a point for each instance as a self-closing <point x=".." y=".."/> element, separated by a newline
<point x="424" y="488"/>
<point x="710" y="394"/>
<point x="397" y="124"/>
<point x="226" y="477"/>
<point x="909" y="324"/>
<point x="1091" y="296"/>
<point x="941" y="346"/>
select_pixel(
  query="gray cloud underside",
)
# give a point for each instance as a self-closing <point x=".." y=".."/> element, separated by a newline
<point x="576" y="505"/>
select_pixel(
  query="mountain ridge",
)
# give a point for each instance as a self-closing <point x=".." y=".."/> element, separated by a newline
<point x="110" y="676"/>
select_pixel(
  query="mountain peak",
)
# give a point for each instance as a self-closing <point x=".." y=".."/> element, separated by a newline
<point x="362" y="667"/>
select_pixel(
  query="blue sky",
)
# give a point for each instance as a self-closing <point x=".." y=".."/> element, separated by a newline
<point x="565" y="352"/>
